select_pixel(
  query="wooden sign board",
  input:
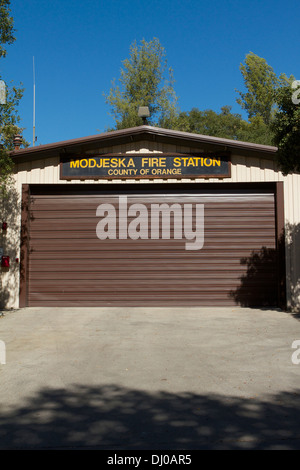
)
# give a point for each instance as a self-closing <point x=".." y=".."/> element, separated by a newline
<point x="135" y="166"/>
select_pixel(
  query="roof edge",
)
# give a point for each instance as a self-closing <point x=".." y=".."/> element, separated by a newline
<point x="116" y="135"/>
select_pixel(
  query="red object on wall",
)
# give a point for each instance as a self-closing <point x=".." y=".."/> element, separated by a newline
<point x="4" y="225"/>
<point x="5" y="262"/>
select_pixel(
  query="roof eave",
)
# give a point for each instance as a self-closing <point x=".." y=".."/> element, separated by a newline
<point x="122" y="136"/>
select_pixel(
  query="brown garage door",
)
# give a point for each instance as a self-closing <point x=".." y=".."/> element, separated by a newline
<point x="69" y="265"/>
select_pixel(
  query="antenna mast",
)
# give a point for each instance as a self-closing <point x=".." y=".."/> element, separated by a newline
<point x="33" y="141"/>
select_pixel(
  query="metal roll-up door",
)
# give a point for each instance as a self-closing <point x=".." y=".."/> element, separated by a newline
<point x="68" y="265"/>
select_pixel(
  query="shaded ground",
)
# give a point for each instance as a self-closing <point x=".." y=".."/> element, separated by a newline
<point x="111" y="417"/>
<point x="132" y="379"/>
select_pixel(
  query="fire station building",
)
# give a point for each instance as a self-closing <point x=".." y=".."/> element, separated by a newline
<point x="150" y="217"/>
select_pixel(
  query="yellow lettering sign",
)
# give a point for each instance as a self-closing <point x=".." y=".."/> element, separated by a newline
<point x="74" y="164"/>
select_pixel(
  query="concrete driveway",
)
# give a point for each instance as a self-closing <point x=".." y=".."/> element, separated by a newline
<point x="149" y="378"/>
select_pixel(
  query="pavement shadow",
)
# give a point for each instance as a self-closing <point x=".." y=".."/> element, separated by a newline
<point x="112" y="417"/>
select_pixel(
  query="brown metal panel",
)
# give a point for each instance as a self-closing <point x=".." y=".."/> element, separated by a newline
<point x="69" y="265"/>
<point x="280" y="244"/>
<point x="25" y="228"/>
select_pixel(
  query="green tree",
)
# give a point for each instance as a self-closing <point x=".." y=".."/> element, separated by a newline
<point x="259" y="102"/>
<point x="261" y="83"/>
<point x="286" y="125"/>
<point x="257" y="131"/>
<point x="225" y="124"/>
<point x="9" y="118"/>
<point x="208" y="122"/>
<point x="6" y="27"/>
<point x="146" y="80"/>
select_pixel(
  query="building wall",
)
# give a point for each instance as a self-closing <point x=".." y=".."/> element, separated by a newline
<point x="243" y="169"/>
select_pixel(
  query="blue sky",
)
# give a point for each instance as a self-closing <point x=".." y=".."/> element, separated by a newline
<point x="78" y="48"/>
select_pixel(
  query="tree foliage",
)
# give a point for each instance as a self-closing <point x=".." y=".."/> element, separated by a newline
<point x="273" y="118"/>
<point x="208" y="122"/>
<point x="258" y="101"/>
<point x="225" y="124"/>
<point x="145" y="80"/>
<point x="286" y="125"/>
<point x="261" y="83"/>
<point x="9" y="118"/>
<point x="6" y="27"/>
